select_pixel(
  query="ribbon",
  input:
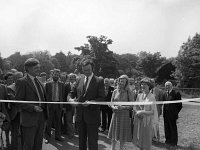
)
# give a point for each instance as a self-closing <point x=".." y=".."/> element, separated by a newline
<point x="192" y="101"/>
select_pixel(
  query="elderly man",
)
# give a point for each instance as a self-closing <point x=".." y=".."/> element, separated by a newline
<point x="106" y="111"/>
<point x="170" y="114"/>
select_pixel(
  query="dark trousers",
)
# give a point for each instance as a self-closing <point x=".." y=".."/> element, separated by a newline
<point x="171" y="134"/>
<point x="15" y="126"/>
<point x="33" y="136"/>
<point x="69" y="122"/>
<point x="54" y="115"/>
<point x="88" y="133"/>
<point x="106" y="115"/>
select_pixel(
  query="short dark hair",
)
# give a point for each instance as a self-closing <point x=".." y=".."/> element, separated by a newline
<point x="7" y="75"/>
<point x="30" y="62"/>
<point x="56" y="70"/>
<point x="43" y="74"/>
<point x="88" y="62"/>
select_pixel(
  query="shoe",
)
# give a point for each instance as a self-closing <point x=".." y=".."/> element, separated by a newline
<point x="101" y="129"/>
<point x="60" y="139"/>
<point x="47" y="141"/>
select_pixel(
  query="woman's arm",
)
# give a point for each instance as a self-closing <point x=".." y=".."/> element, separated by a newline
<point x="152" y="108"/>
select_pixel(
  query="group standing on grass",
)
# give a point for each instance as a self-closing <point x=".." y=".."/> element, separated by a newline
<point x="33" y="122"/>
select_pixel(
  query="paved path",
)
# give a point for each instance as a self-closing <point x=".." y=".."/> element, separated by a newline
<point x="72" y="144"/>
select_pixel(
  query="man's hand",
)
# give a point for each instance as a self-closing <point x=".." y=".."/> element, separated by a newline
<point x="115" y="108"/>
<point x="140" y="114"/>
<point x="85" y="104"/>
<point x="73" y="100"/>
<point x="38" y="109"/>
<point x="121" y="107"/>
<point x="64" y="110"/>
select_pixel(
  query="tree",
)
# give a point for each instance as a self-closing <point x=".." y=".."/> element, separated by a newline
<point x="61" y="57"/>
<point x="188" y="63"/>
<point x="97" y="50"/>
<point x="17" y="60"/>
<point x="148" y="63"/>
<point x="127" y="63"/>
<point x="69" y="63"/>
<point x="165" y="72"/>
<point x="45" y="60"/>
<point x="7" y="65"/>
<point x="1" y="62"/>
<point x="55" y="63"/>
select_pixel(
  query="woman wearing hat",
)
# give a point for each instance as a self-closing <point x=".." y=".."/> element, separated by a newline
<point x="120" y="126"/>
<point x="145" y="117"/>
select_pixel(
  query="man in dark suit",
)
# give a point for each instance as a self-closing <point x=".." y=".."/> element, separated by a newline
<point x="106" y="111"/>
<point x="170" y="114"/>
<point x="55" y="91"/>
<point x="33" y="116"/>
<point x="14" y="112"/>
<point x="4" y="106"/>
<point x="88" y="88"/>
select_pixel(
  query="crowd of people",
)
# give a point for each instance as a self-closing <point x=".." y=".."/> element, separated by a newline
<point x="133" y="123"/>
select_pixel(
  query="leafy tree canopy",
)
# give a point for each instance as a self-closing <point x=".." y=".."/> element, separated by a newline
<point x="97" y="50"/>
<point x="188" y="63"/>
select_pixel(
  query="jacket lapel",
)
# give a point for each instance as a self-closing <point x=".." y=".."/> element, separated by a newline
<point x="60" y="91"/>
<point x="30" y="83"/>
<point x="92" y="82"/>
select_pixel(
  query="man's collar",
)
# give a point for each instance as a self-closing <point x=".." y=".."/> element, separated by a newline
<point x="90" y="77"/>
<point x="170" y="90"/>
<point x="55" y="81"/>
<point x="32" y="77"/>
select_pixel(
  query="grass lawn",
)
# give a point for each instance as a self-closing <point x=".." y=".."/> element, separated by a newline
<point x="188" y="130"/>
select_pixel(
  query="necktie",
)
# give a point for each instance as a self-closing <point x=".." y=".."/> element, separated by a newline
<point x="106" y="91"/>
<point x="55" y="92"/>
<point x="167" y="93"/>
<point x="40" y="93"/>
<point x="85" y="86"/>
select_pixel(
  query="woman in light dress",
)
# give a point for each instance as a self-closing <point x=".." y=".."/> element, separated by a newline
<point x="145" y="117"/>
<point x="120" y="126"/>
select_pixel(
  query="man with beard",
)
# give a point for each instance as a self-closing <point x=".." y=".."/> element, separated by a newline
<point x="55" y="93"/>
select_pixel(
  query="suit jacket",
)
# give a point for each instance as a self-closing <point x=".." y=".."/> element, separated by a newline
<point x="26" y="91"/>
<point x="14" y="110"/>
<point x="61" y="89"/>
<point x="109" y="95"/>
<point x="94" y="92"/>
<point x="108" y="98"/>
<point x="4" y="106"/>
<point x="172" y="110"/>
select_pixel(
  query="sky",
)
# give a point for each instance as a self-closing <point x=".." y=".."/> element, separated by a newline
<point x="133" y="25"/>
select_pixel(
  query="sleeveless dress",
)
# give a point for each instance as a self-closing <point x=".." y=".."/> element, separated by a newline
<point x="120" y="126"/>
<point x="143" y="128"/>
